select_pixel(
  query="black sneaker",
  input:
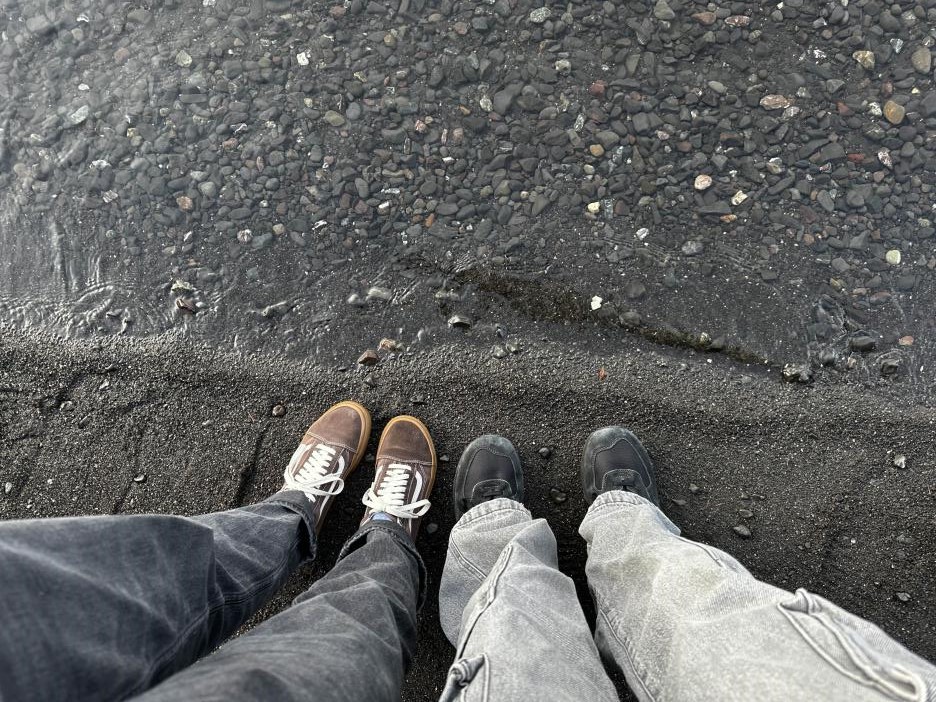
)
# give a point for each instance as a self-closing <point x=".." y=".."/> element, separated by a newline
<point x="614" y="459"/>
<point x="489" y="468"/>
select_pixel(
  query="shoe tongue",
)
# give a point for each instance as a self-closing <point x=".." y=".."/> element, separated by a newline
<point x="623" y="479"/>
<point x="490" y="489"/>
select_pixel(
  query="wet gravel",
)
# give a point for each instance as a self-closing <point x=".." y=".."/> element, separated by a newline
<point x="759" y="173"/>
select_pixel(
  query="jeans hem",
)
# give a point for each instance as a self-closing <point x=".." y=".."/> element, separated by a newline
<point x="485" y="509"/>
<point x="402" y="538"/>
<point x="299" y="503"/>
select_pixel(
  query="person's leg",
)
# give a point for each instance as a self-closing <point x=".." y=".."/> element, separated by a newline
<point x="515" y="621"/>
<point x="351" y="636"/>
<point x="685" y="621"/>
<point x="105" y="607"/>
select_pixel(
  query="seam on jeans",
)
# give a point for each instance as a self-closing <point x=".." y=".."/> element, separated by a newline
<point x="489" y="593"/>
<point x="631" y="662"/>
<point x="705" y="549"/>
<point x="513" y="507"/>
<point x="461" y="558"/>
<point x="172" y="649"/>
<point x="870" y="678"/>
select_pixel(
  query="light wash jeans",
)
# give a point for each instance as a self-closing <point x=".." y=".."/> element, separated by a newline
<point x="681" y="620"/>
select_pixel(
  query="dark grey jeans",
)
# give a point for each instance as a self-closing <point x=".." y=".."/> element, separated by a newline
<point x="106" y="608"/>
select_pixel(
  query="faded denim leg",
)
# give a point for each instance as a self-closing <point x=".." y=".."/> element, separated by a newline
<point x="515" y="620"/>
<point x="102" y="608"/>
<point x="685" y="621"/>
<point x="351" y="636"/>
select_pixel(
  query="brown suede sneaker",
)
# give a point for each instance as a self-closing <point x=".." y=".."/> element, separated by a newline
<point x="328" y="453"/>
<point x="406" y="470"/>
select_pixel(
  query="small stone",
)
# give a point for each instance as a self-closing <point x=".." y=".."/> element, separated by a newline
<point x="738" y="21"/>
<point x="693" y="247"/>
<point x="693" y="488"/>
<point x="890" y="366"/>
<point x="742" y="531"/>
<point x="379" y="293"/>
<point x="774" y="102"/>
<point x="596" y="150"/>
<point x="278" y="410"/>
<point x="905" y="341"/>
<point x="597" y="88"/>
<point x="459" y="321"/>
<point x="706" y="19"/>
<point x="499" y="351"/>
<point x="540" y="15"/>
<point x="185" y="203"/>
<point x="662" y="11"/>
<point x="922" y="59"/>
<point x="596" y="303"/>
<point x="302" y="58"/>
<point x="900" y="461"/>
<point x="79" y="115"/>
<point x="893" y="257"/>
<point x="894" y="112"/>
<point x="7" y="488"/>
<point x="862" y="342"/>
<point x="557" y="496"/>
<point x="903" y="596"/>
<point x="141" y="478"/>
<point x="797" y="373"/>
<point x="390" y="345"/>
<point x="594" y="207"/>
<point x="745" y="513"/>
<point x="563" y="67"/>
<point x="183" y="59"/>
<point x="432" y="528"/>
<point x="703" y="182"/>
<point x="333" y="118"/>
<point x="368" y="358"/>
<point x="738" y="198"/>
<point x="545" y="452"/>
<point x="865" y="58"/>
<point x="67" y="406"/>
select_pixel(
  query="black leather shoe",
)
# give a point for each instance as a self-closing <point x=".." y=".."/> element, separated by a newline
<point x="615" y="459"/>
<point x="489" y="468"/>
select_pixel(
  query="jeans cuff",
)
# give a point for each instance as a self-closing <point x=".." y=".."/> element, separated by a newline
<point x="485" y="509"/>
<point x="401" y="537"/>
<point x="299" y="503"/>
<point x="621" y="500"/>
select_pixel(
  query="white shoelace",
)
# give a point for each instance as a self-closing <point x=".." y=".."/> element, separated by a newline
<point x="390" y="496"/>
<point x="314" y="478"/>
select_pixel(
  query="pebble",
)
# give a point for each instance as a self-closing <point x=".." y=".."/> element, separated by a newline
<point x="893" y="257"/>
<point x="432" y="528"/>
<point x="797" y="373"/>
<point x="774" y="102"/>
<point x="862" y="342"/>
<point x="557" y="496"/>
<point x="894" y="112"/>
<point x="368" y="358"/>
<point x="333" y="118"/>
<point x="703" y="182"/>
<point x="140" y="478"/>
<point x="922" y="59"/>
<point x="79" y="115"/>
<point x="594" y="207"/>
<point x="864" y="58"/>
<point x="459" y="321"/>
<point x="545" y="452"/>
<point x="499" y="351"/>
<point x="596" y="303"/>
<point x="900" y="461"/>
<point x="743" y="531"/>
<point x="738" y="198"/>
<point x="662" y="11"/>
<point x="903" y="596"/>
<point x="693" y="247"/>
<point x="183" y="58"/>
<point x="540" y="15"/>
<point x="7" y="488"/>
